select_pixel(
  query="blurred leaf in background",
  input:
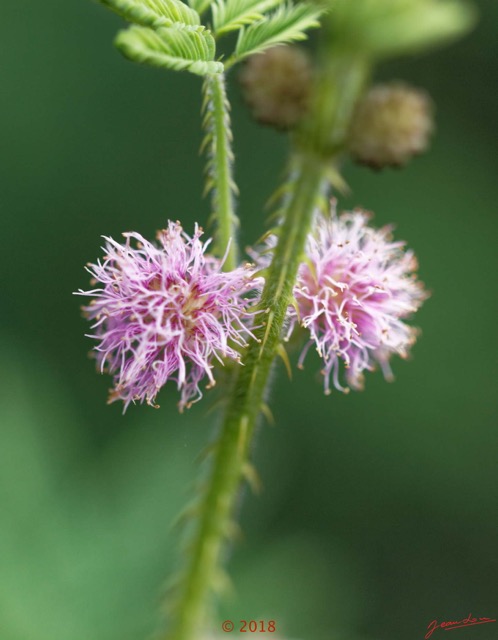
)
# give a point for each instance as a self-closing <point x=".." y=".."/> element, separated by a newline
<point x="86" y="540"/>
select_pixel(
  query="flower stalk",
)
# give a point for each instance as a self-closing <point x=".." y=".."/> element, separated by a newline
<point x="326" y="129"/>
<point x="219" y="171"/>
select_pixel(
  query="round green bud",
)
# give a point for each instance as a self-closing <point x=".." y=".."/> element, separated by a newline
<point x="276" y="86"/>
<point x="391" y="124"/>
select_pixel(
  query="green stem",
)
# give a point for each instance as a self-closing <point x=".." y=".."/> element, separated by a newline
<point x="219" y="168"/>
<point x="248" y="394"/>
<point x="342" y="79"/>
<point x="230" y="458"/>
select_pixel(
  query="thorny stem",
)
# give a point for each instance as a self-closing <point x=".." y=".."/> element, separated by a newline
<point x="320" y="144"/>
<point x="219" y="168"/>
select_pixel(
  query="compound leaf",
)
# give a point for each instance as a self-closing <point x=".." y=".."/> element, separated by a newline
<point x="231" y="15"/>
<point x="287" y="24"/>
<point x="180" y="49"/>
<point x="154" y="13"/>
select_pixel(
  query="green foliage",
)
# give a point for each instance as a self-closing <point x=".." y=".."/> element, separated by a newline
<point x="287" y="24"/>
<point x="171" y="48"/>
<point x="170" y="34"/>
<point x="154" y="13"/>
<point x="231" y="15"/>
<point x="389" y="28"/>
<point x="200" y="5"/>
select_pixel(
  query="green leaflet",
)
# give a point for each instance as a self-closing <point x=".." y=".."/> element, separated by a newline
<point x="180" y="49"/>
<point x="154" y="13"/>
<point x="230" y="15"/>
<point x="287" y="24"/>
<point x="200" y="5"/>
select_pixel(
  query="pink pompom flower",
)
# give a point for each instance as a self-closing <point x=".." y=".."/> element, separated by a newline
<point x="167" y="311"/>
<point x="353" y="294"/>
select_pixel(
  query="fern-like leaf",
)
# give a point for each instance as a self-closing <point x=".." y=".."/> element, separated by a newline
<point x="180" y="49"/>
<point x="231" y="15"/>
<point x="154" y="13"/>
<point x="287" y="24"/>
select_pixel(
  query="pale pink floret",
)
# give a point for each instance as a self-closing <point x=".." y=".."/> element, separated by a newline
<point x="353" y="293"/>
<point x="166" y="312"/>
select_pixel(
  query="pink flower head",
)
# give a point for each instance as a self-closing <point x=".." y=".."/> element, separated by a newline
<point x="353" y="293"/>
<point x="166" y="312"/>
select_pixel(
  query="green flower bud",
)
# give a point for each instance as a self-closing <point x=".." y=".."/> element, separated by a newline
<point x="391" y="124"/>
<point x="388" y="28"/>
<point x="276" y="86"/>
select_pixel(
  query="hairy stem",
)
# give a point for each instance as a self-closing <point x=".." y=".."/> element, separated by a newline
<point x="219" y="168"/>
<point x="322" y="139"/>
<point x="233" y="445"/>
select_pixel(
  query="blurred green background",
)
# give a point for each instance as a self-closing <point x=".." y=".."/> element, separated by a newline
<point x="379" y="510"/>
